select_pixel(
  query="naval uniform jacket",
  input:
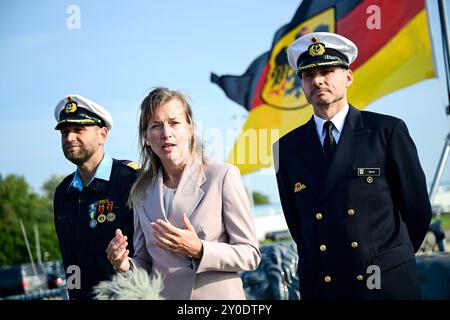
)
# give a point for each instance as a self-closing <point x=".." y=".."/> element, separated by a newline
<point x="367" y="206"/>
<point x="82" y="245"/>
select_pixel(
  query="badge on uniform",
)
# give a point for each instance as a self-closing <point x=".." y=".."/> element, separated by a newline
<point x="110" y="216"/>
<point x="299" y="187"/>
<point x="92" y="214"/>
<point x="103" y="215"/>
<point x="365" y="172"/>
<point x="101" y="208"/>
<point x="369" y="173"/>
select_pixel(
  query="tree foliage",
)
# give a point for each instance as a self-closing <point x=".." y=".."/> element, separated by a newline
<point x="18" y="202"/>
<point x="260" y="198"/>
<point x="49" y="187"/>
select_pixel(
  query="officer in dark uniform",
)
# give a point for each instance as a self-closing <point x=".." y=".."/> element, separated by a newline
<point x="91" y="203"/>
<point x="351" y="186"/>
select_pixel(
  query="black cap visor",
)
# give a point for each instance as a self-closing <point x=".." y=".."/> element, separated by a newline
<point x="81" y="117"/>
<point x="330" y="57"/>
<point x="79" y="122"/>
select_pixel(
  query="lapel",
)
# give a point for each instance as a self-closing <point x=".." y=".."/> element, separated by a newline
<point x="310" y="149"/>
<point x="352" y="138"/>
<point x="188" y="194"/>
<point x="153" y="205"/>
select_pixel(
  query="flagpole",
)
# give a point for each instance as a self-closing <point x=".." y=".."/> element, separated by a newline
<point x="446" y="151"/>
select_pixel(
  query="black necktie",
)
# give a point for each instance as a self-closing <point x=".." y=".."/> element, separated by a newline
<point x="329" y="144"/>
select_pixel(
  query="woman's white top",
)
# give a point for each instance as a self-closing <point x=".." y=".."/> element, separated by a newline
<point x="168" y="198"/>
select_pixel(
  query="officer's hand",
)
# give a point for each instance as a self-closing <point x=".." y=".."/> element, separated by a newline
<point x="117" y="252"/>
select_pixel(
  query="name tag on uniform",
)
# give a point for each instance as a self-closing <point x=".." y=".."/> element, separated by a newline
<point x="365" y="172"/>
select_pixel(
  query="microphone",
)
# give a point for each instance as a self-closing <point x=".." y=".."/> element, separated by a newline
<point x="131" y="285"/>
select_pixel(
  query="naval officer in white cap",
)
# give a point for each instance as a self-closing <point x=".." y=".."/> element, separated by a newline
<point x="351" y="185"/>
<point x="91" y="203"/>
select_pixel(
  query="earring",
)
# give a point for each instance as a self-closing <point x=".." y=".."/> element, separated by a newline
<point x="147" y="143"/>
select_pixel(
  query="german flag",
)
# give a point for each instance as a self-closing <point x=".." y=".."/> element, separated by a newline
<point x="394" y="52"/>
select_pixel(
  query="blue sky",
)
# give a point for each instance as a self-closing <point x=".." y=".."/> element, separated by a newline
<point x="124" y="48"/>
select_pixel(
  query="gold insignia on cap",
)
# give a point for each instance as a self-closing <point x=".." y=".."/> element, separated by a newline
<point x="71" y="106"/>
<point x="314" y="39"/>
<point x="317" y="49"/>
<point x="299" y="187"/>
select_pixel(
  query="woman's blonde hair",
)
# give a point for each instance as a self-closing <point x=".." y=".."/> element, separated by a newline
<point x="150" y="161"/>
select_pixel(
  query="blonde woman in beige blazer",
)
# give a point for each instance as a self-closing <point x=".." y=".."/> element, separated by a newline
<point x="192" y="219"/>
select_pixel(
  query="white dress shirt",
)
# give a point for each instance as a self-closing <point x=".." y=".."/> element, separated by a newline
<point x="338" y="122"/>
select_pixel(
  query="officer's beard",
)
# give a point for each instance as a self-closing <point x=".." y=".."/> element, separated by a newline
<point x="78" y="155"/>
<point x="323" y="102"/>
